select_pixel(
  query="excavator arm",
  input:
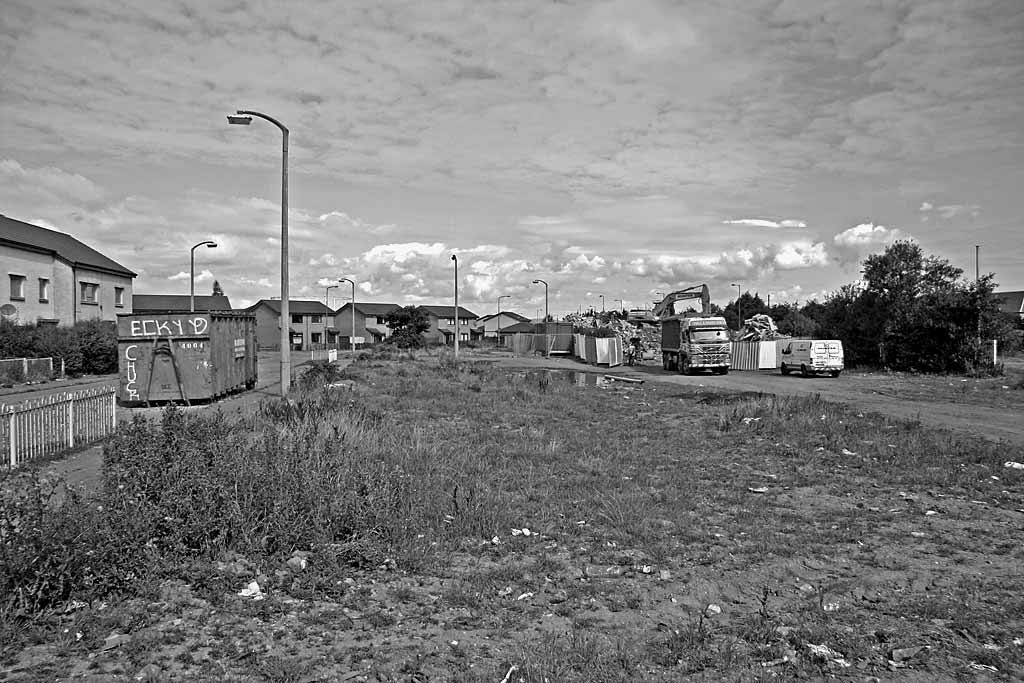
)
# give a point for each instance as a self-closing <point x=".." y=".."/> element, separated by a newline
<point x="664" y="308"/>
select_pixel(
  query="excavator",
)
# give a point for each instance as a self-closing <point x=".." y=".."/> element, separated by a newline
<point x="665" y="307"/>
<point x="690" y="343"/>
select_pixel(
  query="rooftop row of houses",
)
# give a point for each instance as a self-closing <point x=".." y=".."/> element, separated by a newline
<point x="49" y="277"/>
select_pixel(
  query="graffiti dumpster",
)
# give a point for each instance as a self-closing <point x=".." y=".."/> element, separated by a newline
<point x="185" y="357"/>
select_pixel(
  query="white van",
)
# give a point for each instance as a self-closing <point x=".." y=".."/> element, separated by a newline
<point x="811" y="357"/>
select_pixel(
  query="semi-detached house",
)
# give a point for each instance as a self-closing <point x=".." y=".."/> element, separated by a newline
<point x="311" y="324"/>
<point x="49" y="277"/>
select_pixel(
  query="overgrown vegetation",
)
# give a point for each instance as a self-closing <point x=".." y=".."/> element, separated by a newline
<point x="87" y="348"/>
<point x="452" y="508"/>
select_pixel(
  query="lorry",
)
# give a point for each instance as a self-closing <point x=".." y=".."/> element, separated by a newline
<point x="691" y="341"/>
<point x="696" y="343"/>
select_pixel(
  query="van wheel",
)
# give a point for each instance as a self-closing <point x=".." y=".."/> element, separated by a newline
<point x="835" y="373"/>
<point x="784" y="369"/>
<point x="803" y="370"/>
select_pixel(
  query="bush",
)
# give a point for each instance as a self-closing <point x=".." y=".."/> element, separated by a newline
<point x="89" y="347"/>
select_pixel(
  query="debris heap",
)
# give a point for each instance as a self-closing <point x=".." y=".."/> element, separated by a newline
<point x="760" y="327"/>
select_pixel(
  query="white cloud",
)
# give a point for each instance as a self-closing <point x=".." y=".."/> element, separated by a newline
<point x="48" y="183"/>
<point x="202" y="276"/>
<point x="853" y="244"/>
<point x="765" y="223"/>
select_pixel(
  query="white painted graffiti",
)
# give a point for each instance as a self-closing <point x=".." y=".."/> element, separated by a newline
<point x="130" y="374"/>
<point x="167" y="328"/>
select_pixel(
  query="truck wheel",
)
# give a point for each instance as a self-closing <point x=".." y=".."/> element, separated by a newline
<point x="803" y="370"/>
<point x="835" y="373"/>
<point x="784" y="369"/>
<point x="723" y="371"/>
<point x="684" y="366"/>
<point x="666" y="363"/>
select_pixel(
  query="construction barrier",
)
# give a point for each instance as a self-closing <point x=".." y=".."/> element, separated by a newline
<point x="37" y="428"/>
<point x="527" y="344"/>
<point x="602" y="350"/>
<point x="760" y="355"/>
<point x="17" y="370"/>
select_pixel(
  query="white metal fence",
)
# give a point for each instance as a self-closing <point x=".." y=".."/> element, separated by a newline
<point x="51" y="424"/>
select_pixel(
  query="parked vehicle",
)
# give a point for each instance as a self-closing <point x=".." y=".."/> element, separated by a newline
<point x="812" y="357"/>
<point x="697" y="343"/>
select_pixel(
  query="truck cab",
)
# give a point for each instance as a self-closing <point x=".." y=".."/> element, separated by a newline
<point x="812" y="357"/>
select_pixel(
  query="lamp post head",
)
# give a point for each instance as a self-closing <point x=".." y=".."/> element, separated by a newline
<point x="211" y="245"/>
<point x="455" y="258"/>
<point x="239" y="120"/>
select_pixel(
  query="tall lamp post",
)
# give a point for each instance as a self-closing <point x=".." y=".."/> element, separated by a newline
<point x="243" y="117"/>
<point x="602" y="302"/>
<point x="739" y="306"/>
<point x="456" y="260"/>
<point x="620" y="304"/>
<point x="327" y="305"/>
<point x="209" y="244"/>
<point x="498" y="333"/>
<point x="547" y="349"/>
<point x="352" y="336"/>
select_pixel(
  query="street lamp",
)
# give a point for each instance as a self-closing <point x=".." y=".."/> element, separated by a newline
<point x="739" y="306"/>
<point x="209" y="244"/>
<point x="602" y="302"/>
<point x="538" y="281"/>
<point x="498" y="333"/>
<point x="243" y="117"/>
<point x="327" y="304"/>
<point x="620" y="304"/>
<point x="352" y="336"/>
<point x="456" y="260"/>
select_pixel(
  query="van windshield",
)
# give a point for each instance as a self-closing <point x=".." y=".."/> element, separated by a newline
<point x="709" y="335"/>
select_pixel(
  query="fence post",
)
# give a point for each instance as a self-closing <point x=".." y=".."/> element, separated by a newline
<point x="113" y="410"/>
<point x="71" y="422"/>
<point x="10" y="434"/>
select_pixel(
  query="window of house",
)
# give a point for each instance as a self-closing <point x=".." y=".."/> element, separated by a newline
<point x="449" y="321"/>
<point x="89" y="292"/>
<point x="381" y="320"/>
<point x="316" y="319"/>
<point x="44" y="290"/>
<point x="297" y="319"/>
<point x="463" y="336"/>
<point x="119" y="296"/>
<point x="17" y="287"/>
<point x="315" y="337"/>
<point x="463" y="321"/>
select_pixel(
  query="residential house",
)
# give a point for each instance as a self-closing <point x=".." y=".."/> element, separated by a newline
<point x="490" y="325"/>
<point x="370" y="322"/>
<point x="1012" y="302"/>
<point x="49" y="277"/>
<point x="443" y="327"/>
<point x="310" y="324"/>
<point x="178" y="303"/>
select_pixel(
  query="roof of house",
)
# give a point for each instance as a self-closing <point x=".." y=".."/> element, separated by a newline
<point x="59" y="244"/>
<point x="446" y="311"/>
<point x="370" y="308"/>
<point x="143" y="303"/>
<point x="1011" y="302"/>
<point x="507" y="314"/>
<point x="295" y="307"/>
<point x="525" y="326"/>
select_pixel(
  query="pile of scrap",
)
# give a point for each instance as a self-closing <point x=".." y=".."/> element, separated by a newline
<point x="760" y="327"/>
<point x="612" y="325"/>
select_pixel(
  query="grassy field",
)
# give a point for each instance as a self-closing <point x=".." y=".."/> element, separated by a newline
<point x="420" y="521"/>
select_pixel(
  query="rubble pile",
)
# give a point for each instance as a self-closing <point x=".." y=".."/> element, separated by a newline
<point x="612" y="325"/>
<point x="760" y="327"/>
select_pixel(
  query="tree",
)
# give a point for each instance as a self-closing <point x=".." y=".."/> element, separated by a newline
<point x="408" y="325"/>
<point x="217" y="291"/>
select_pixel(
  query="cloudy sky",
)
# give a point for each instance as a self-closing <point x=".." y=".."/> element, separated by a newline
<point x="615" y="148"/>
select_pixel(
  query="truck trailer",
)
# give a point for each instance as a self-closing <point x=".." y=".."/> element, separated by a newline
<point x="696" y="343"/>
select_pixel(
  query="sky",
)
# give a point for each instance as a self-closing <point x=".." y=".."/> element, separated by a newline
<point x="616" y="148"/>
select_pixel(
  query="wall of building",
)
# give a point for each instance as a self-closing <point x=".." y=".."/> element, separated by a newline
<point x="105" y="306"/>
<point x="32" y="266"/>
